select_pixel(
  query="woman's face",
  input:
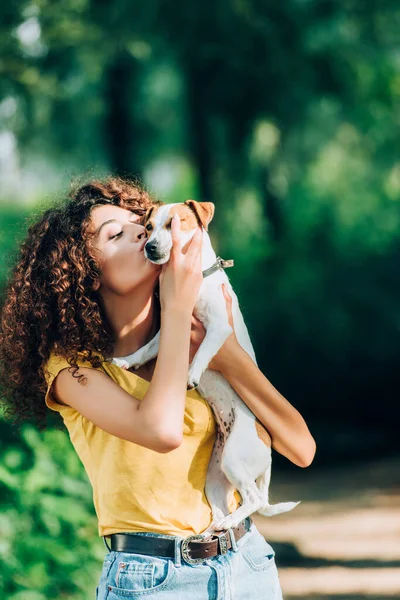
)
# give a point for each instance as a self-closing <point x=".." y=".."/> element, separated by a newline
<point x="118" y="245"/>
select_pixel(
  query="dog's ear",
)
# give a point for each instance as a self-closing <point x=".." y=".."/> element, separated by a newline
<point x="146" y="216"/>
<point x="203" y="210"/>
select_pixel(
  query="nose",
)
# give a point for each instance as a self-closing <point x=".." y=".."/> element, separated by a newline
<point x="140" y="234"/>
<point x="151" y="247"/>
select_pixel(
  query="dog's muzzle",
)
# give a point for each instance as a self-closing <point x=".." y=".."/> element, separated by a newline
<point x="152" y="253"/>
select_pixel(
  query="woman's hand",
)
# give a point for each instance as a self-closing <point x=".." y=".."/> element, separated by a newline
<point x="197" y="335"/>
<point x="181" y="277"/>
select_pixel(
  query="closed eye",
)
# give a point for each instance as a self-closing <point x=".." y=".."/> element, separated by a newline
<point x="168" y="225"/>
<point x="120" y="232"/>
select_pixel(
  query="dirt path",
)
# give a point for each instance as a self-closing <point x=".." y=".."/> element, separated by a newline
<point x="343" y="541"/>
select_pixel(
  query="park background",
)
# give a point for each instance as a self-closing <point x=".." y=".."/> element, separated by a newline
<point x="286" y="116"/>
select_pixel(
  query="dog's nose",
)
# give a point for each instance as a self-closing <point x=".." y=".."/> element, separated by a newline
<point x="151" y="247"/>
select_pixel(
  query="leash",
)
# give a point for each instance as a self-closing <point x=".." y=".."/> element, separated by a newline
<point x="219" y="265"/>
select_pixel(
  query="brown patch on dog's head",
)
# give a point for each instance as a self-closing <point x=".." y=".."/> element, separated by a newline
<point x="187" y="217"/>
<point x="204" y="211"/>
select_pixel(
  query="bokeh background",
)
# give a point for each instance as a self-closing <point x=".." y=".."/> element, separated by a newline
<point x="286" y="116"/>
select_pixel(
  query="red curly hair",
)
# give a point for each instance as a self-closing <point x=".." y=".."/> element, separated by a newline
<point x="49" y="301"/>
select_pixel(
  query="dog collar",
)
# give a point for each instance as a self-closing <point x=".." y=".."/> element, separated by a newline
<point x="219" y="265"/>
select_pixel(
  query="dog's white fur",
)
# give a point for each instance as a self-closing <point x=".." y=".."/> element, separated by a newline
<point x="240" y="460"/>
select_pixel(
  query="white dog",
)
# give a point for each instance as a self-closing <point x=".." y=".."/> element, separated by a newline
<point x="240" y="460"/>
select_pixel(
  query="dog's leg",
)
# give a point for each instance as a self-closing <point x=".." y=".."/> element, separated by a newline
<point x="217" y="488"/>
<point x="242" y="466"/>
<point x="251" y="500"/>
<point x="252" y="483"/>
<point x="267" y="509"/>
<point x="246" y="462"/>
<point x="213" y="340"/>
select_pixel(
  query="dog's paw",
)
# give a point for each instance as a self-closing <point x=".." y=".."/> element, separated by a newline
<point x="123" y="364"/>
<point x="191" y="385"/>
<point x="194" y="378"/>
<point x="224" y="524"/>
<point x="207" y="533"/>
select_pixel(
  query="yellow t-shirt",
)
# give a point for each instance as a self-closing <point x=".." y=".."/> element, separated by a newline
<point x="135" y="488"/>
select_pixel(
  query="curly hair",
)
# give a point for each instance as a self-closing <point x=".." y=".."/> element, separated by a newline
<point x="49" y="301"/>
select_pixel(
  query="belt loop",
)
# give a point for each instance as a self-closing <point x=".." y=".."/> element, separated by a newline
<point x="105" y="543"/>
<point x="233" y="541"/>
<point x="177" y="559"/>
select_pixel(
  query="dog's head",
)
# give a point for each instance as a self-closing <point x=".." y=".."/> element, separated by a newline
<point x="157" y="223"/>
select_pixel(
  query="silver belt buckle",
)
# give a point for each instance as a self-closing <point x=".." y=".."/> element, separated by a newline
<point x="222" y="541"/>
<point x="185" y="549"/>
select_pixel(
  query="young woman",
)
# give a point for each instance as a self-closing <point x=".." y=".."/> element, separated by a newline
<point x="81" y="293"/>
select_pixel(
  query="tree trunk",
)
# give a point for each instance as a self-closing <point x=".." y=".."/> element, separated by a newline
<point x="271" y="205"/>
<point x="119" y="123"/>
<point x="199" y="132"/>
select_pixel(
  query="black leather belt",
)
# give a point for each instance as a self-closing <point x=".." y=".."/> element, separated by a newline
<point x="194" y="549"/>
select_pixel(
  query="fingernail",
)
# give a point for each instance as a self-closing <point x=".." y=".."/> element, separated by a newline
<point x="176" y="217"/>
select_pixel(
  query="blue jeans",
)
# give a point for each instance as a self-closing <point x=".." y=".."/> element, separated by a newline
<point x="246" y="572"/>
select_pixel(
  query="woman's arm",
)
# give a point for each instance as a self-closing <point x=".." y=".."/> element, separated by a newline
<point x="180" y="281"/>
<point x="155" y="422"/>
<point x="287" y="428"/>
<point x="289" y="433"/>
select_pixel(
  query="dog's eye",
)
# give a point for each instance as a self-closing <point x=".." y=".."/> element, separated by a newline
<point x="149" y="227"/>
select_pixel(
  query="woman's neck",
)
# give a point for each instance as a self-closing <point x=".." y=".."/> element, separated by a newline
<point x="137" y="333"/>
<point x="134" y="322"/>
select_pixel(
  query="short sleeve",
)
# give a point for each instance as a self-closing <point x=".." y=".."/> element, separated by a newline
<point x="54" y="365"/>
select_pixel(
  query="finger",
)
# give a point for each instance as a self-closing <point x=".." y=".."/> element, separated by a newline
<point x="196" y="243"/>
<point x="228" y="304"/>
<point x="162" y="272"/>
<point x="175" y="235"/>
<point x="227" y="295"/>
<point x="196" y="322"/>
<point x="197" y="326"/>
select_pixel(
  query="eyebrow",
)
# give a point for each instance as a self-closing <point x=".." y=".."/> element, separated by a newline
<point x="103" y="225"/>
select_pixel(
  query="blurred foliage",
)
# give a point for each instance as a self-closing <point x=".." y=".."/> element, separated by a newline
<point x="285" y="115"/>
<point x="49" y="546"/>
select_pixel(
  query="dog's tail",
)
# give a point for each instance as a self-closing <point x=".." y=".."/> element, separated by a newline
<point x="269" y="510"/>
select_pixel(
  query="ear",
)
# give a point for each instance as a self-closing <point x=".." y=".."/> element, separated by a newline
<point x="147" y="216"/>
<point x="203" y="210"/>
<point x="96" y="285"/>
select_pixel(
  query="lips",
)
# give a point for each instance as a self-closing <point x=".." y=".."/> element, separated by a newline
<point x="143" y="245"/>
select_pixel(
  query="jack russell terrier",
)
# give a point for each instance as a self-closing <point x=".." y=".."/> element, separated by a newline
<point x="241" y="457"/>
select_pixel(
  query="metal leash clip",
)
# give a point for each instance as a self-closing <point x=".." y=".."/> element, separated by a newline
<point x="225" y="264"/>
<point x="219" y="265"/>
